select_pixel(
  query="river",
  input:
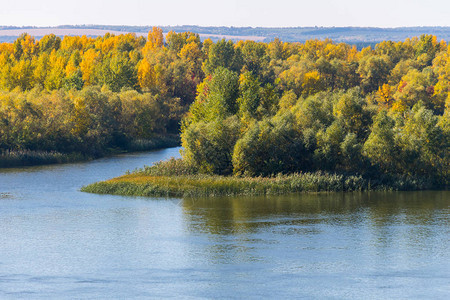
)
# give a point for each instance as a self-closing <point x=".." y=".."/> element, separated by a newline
<point x="59" y="243"/>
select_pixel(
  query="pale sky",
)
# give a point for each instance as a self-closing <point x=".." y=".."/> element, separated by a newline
<point x="264" y="13"/>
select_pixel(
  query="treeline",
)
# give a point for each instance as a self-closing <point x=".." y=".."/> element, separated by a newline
<point x="252" y="108"/>
<point x="88" y="121"/>
<point x="264" y="109"/>
<point x="87" y="95"/>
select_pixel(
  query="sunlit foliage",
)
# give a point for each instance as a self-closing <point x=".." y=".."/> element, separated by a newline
<point x="249" y="108"/>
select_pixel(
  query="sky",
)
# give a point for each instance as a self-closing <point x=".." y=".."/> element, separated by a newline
<point x="238" y="13"/>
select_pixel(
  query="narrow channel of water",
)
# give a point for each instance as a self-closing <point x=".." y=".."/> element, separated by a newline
<point x="56" y="242"/>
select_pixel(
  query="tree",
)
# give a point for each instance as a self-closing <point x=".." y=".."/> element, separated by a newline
<point x="270" y="147"/>
<point x="74" y="81"/>
<point x="146" y="75"/>
<point x="21" y="75"/>
<point x="249" y="91"/>
<point x="88" y="66"/>
<point x="209" y="146"/>
<point x="256" y="60"/>
<point x="192" y="55"/>
<point x="427" y="47"/>
<point x="24" y="47"/>
<point x="381" y="147"/>
<point x="217" y="96"/>
<point x="425" y="145"/>
<point x="41" y="69"/>
<point x="327" y="155"/>
<point x="223" y="54"/>
<point x="418" y="86"/>
<point x="118" y="72"/>
<point x="352" y="158"/>
<point x="56" y="72"/>
<point x="176" y="41"/>
<point x="48" y="43"/>
<point x="155" y="39"/>
<point x="350" y="110"/>
<point x="373" y="71"/>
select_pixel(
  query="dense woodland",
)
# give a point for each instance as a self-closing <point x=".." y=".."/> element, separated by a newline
<point x="248" y="108"/>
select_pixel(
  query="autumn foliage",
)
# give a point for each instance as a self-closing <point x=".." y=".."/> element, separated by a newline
<point x="247" y="108"/>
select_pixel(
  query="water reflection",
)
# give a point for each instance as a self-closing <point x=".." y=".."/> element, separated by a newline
<point x="380" y="209"/>
<point x="56" y="242"/>
<point x="367" y="228"/>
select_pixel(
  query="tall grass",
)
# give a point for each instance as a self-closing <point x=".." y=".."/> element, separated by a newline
<point x="147" y="182"/>
<point x="18" y="158"/>
<point x="170" y="167"/>
<point x="10" y="158"/>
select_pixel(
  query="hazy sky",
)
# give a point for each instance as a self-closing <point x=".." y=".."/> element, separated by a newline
<point x="267" y="13"/>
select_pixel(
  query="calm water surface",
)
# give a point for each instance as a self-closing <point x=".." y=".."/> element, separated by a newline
<point x="56" y="242"/>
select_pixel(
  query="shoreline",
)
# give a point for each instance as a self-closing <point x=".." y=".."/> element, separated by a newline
<point x="211" y="185"/>
<point x="29" y="158"/>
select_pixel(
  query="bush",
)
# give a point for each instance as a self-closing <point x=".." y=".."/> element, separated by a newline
<point x="269" y="147"/>
<point x="209" y="146"/>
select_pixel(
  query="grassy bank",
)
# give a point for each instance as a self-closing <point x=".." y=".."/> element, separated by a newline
<point x="20" y="158"/>
<point x="142" y="184"/>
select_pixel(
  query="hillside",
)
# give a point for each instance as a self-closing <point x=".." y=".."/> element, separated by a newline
<point x="360" y="36"/>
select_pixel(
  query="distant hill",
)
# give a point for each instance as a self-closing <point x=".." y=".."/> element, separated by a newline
<point x="353" y="35"/>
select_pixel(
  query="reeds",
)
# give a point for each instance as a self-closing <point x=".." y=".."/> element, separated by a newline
<point x="16" y="158"/>
<point x="19" y="158"/>
<point x="146" y="183"/>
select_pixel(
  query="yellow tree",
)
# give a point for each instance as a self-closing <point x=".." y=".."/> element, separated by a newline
<point x="441" y="67"/>
<point x="22" y="75"/>
<point x="41" y="68"/>
<point x="155" y="39"/>
<point x="312" y="83"/>
<point x="5" y="70"/>
<point x="80" y="118"/>
<point x="29" y="46"/>
<point x="150" y="68"/>
<point x="146" y="74"/>
<point x="90" y="59"/>
<point x="385" y="95"/>
<point x="193" y="56"/>
<point x="71" y="43"/>
<point x="56" y="72"/>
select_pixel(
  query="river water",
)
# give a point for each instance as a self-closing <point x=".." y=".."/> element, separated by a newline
<point x="59" y="243"/>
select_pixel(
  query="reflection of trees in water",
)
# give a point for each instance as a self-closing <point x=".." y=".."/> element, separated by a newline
<point x="242" y="214"/>
<point x="380" y="218"/>
<point x="408" y="219"/>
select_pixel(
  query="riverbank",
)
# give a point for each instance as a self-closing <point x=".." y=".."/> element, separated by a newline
<point x="51" y="231"/>
<point x="21" y="158"/>
<point x="141" y="184"/>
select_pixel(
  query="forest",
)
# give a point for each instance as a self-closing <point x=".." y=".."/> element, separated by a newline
<point x="242" y="108"/>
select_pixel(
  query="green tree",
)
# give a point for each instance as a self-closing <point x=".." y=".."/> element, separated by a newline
<point x="381" y="147"/>
<point x="223" y="54"/>
<point x="374" y="71"/>
<point x="118" y="72"/>
<point x="217" y="96"/>
<point x="249" y="91"/>
<point x="48" y="43"/>
<point x="209" y="146"/>
<point x="270" y="147"/>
